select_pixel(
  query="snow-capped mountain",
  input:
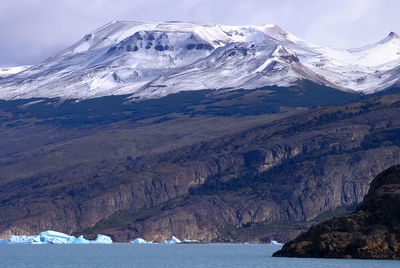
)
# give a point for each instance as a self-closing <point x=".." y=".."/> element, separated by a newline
<point x="149" y="60"/>
<point x="12" y="70"/>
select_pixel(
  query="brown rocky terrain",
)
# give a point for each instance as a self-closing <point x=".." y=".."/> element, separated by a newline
<point x="236" y="174"/>
<point x="270" y="174"/>
<point x="372" y="232"/>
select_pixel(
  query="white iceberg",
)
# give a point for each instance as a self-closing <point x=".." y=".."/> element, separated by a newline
<point x="81" y="240"/>
<point x="48" y="237"/>
<point x="102" y="239"/>
<point x="173" y="240"/>
<point x="273" y="242"/>
<point x="53" y="237"/>
<point x="23" y="239"/>
<point x="141" y="241"/>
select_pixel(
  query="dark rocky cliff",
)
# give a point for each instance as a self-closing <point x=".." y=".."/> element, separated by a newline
<point x="182" y="174"/>
<point x="285" y="173"/>
<point x="372" y="232"/>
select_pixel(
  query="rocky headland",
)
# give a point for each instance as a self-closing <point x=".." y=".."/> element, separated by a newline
<point x="372" y="232"/>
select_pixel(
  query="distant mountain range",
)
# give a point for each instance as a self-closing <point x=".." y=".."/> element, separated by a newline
<point x="151" y="60"/>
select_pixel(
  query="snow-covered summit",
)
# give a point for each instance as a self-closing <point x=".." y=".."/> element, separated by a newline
<point x="155" y="59"/>
<point x="215" y="35"/>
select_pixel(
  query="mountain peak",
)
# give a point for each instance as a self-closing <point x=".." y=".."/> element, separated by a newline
<point x="391" y="36"/>
<point x="394" y="35"/>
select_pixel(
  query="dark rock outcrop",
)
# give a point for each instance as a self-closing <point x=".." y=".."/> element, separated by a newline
<point x="372" y="232"/>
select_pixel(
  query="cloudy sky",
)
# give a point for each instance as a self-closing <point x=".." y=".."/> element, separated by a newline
<point x="32" y="30"/>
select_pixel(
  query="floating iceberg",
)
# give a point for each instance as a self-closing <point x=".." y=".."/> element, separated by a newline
<point x="273" y="242"/>
<point x="81" y="240"/>
<point x="102" y="239"/>
<point x="173" y="240"/>
<point x="53" y="237"/>
<point x="22" y="239"/>
<point x="140" y="241"/>
<point x="190" y="241"/>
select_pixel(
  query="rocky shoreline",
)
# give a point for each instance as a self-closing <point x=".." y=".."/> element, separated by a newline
<point x="372" y="232"/>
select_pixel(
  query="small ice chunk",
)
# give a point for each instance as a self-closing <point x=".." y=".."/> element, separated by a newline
<point x="173" y="240"/>
<point x="102" y="239"/>
<point x="140" y="241"/>
<point x="190" y="241"/>
<point x="273" y="242"/>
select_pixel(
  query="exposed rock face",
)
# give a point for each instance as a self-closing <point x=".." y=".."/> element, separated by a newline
<point x="278" y="173"/>
<point x="372" y="232"/>
<point x="194" y="175"/>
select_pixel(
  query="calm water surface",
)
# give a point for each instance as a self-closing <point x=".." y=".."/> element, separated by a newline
<point x="129" y="255"/>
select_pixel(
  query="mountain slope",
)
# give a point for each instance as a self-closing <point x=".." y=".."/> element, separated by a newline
<point x="283" y="173"/>
<point x="197" y="170"/>
<point x="151" y="60"/>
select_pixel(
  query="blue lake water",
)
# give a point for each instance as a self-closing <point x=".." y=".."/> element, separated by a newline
<point x="129" y="255"/>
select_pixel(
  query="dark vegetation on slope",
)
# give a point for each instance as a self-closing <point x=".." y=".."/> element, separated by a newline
<point x="111" y="109"/>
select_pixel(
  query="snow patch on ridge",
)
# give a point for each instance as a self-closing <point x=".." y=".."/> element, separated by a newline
<point x="12" y="70"/>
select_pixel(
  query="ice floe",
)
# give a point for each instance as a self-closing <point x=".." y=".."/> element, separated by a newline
<point x="22" y="239"/>
<point x="141" y="241"/>
<point x="81" y="240"/>
<point x="53" y="237"/>
<point x="173" y="240"/>
<point x="102" y="239"/>
<point x="190" y="241"/>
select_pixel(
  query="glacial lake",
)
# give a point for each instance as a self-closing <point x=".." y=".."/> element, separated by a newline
<point x="159" y="255"/>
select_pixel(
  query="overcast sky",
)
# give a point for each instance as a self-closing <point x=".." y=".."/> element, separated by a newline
<point x="32" y="30"/>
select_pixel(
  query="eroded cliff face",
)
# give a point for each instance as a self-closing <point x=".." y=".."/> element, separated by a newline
<point x="286" y="173"/>
<point x="204" y="215"/>
<point x="373" y="232"/>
